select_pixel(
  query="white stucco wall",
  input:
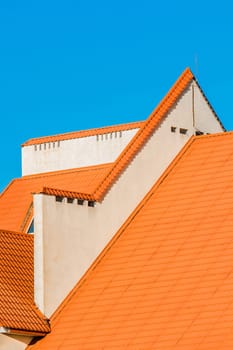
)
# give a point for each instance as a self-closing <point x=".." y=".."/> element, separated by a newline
<point x="14" y="342"/>
<point x="69" y="237"/>
<point x="205" y="119"/>
<point x="74" y="153"/>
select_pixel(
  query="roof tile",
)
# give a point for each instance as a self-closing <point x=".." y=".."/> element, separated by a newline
<point x="145" y="131"/>
<point x="165" y="279"/>
<point x="83" y="133"/>
<point x="140" y="138"/>
<point x="16" y="201"/>
<point x="17" y="308"/>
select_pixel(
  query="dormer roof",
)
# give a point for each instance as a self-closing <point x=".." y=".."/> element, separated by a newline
<point x="16" y="201"/>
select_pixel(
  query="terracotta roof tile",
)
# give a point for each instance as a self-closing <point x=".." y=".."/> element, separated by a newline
<point x="68" y="194"/>
<point x="140" y="138"/>
<point x="145" y="131"/>
<point x="17" y="308"/>
<point x="83" y="133"/>
<point x="165" y="280"/>
<point x="16" y="201"/>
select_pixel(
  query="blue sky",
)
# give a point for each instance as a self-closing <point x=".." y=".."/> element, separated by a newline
<point x="71" y="65"/>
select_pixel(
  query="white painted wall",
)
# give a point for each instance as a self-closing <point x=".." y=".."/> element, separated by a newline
<point x="72" y="236"/>
<point x="74" y="153"/>
<point x="204" y="116"/>
<point x="14" y="342"/>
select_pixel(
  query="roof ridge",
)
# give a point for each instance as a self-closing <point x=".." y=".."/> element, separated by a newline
<point x="135" y="144"/>
<point x="84" y="133"/>
<point x="121" y="230"/>
<point x="66" y="193"/>
<point x="145" y="131"/>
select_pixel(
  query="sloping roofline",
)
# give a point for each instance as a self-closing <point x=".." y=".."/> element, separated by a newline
<point x="139" y="139"/>
<point x="145" y="131"/>
<point x="27" y="185"/>
<point x="83" y="133"/>
<point x="137" y="142"/>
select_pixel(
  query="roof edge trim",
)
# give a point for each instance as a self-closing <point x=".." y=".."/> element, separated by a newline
<point x="6" y="330"/>
<point x="16" y="233"/>
<point x="83" y="133"/>
<point x="145" y="132"/>
<point x="134" y="145"/>
<point x="69" y="194"/>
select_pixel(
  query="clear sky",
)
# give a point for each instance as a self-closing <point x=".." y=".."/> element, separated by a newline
<point x="72" y="65"/>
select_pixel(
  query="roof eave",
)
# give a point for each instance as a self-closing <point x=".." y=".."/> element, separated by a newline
<point x="69" y="194"/>
<point x="13" y="331"/>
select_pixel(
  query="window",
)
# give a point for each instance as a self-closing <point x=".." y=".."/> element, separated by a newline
<point x="183" y="131"/>
<point x="70" y="200"/>
<point x="31" y="227"/>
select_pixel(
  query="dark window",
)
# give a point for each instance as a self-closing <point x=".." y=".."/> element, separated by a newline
<point x="199" y="133"/>
<point x="31" y="227"/>
<point x="183" y="131"/>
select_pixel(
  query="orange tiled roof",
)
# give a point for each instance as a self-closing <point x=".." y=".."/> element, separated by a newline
<point x="83" y="133"/>
<point x="146" y="130"/>
<point x="17" y="309"/>
<point x="165" y="280"/>
<point x="16" y="200"/>
<point x="140" y="138"/>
